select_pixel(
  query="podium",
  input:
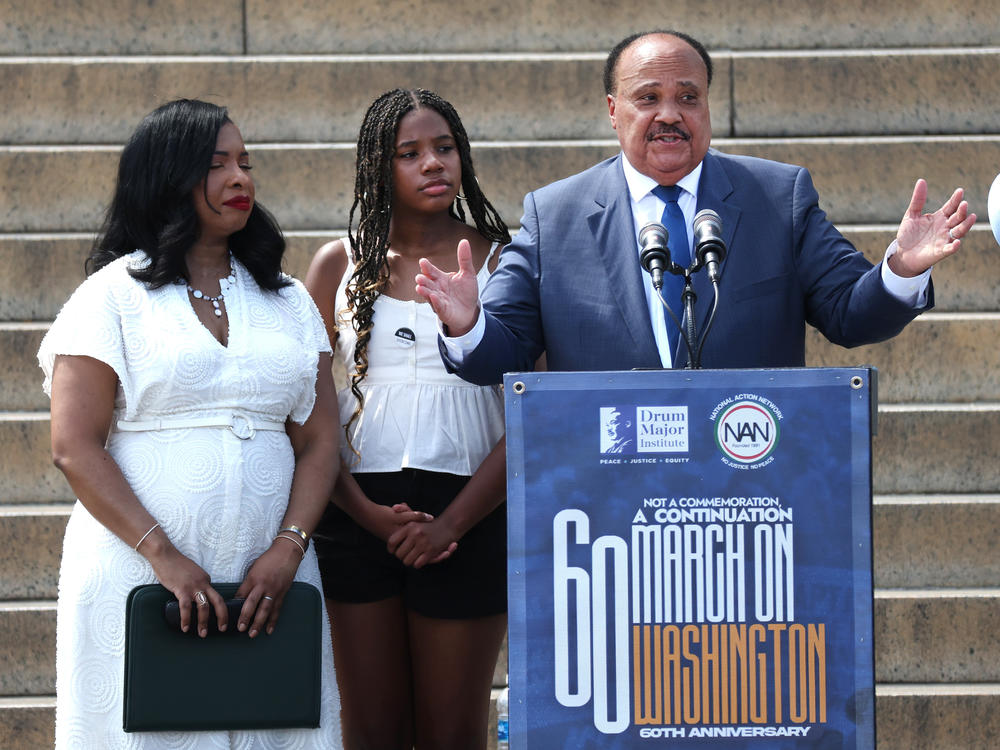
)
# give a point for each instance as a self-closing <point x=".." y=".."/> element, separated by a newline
<point x="689" y="559"/>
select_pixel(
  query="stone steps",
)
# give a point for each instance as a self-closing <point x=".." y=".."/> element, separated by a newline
<point x="937" y="635"/>
<point x="909" y="717"/>
<point x="957" y="441"/>
<point x="28" y="722"/>
<point x="99" y="100"/>
<point x="121" y="27"/>
<point x="308" y="26"/>
<point x="940" y="358"/>
<point x="920" y="636"/>
<point x="549" y="25"/>
<point x="937" y="448"/>
<point x="38" y="272"/>
<point x="308" y="186"/>
<point x="28" y="649"/>
<point x="20" y="375"/>
<point x="935" y="541"/>
<point x="31" y="537"/>
<point x="920" y="542"/>
<point x="937" y="717"/>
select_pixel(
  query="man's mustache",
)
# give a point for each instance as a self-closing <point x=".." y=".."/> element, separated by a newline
<point x="668" y="130"/>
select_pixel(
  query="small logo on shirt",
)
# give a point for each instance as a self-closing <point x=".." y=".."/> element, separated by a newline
<point x="405" y="337"/>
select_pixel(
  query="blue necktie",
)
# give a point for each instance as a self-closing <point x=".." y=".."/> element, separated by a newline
<point x="680" y="253"/>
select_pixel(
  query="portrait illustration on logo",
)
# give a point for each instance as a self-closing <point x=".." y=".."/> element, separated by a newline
<point x="617" y="430"/>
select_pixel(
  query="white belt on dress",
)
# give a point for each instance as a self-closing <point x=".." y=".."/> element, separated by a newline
<point x="242" y="426"/>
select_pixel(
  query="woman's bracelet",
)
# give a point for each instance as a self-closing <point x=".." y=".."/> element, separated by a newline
<point x="143" y="537"/>
<point x="296" y="530"/>
<point x="294" y="541"/>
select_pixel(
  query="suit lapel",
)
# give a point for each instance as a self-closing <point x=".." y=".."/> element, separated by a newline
<point x="715" y="191"/>
<point x="610" y="221"/>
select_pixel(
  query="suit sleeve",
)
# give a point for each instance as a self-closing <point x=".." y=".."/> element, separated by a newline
<point x="844" y="294"/>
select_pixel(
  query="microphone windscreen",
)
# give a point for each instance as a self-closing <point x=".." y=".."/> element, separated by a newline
<point x="653" y="234"/>
<point x="708" y="215"/>
<point x="993" y="207"/>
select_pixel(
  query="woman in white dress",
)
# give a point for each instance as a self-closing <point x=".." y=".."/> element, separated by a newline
<point x="193" y="416"/>
<point x="418" y="605"/>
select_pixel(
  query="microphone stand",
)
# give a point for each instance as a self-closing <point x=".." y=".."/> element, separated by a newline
<point x="690" y="328"/>
<point x="688" y="298"/>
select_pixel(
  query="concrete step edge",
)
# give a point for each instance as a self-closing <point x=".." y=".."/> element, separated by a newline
<point x="31" y="605"/>
<point x="881" y="689"/>
<point x="724" y="144"/>
<point x="938" y="593"/>
<point x="349" y="57"/>
<point x="36" y="509"/>
<point x="487" y="56"/>
<point x="44" y="605"/>
<point x="27" y="701"/>
<point x="858" y="52"/>
<point x="987" y="498"/>
<point x="940" y="406"/>
<point x="24" y="416"/>
<point x="20" y="325"/>
<point x="937" y="688"/>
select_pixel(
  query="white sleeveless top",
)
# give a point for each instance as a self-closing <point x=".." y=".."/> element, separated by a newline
<point x="416" y="414"/>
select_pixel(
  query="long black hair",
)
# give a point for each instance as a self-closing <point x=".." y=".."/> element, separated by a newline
<point x="163" y="162"/>
<point x="373" y="208"/>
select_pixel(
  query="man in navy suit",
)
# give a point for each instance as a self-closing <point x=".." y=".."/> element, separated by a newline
<point x="570" y="283"/>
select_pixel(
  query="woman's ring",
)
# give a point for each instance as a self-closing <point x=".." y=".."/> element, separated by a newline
<point x="269" y="598"/>
<point x="200" y="599"/>
<point x="951" y="236"/>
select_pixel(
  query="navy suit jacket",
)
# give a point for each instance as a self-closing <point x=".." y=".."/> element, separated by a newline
<point x="570" y="283"/>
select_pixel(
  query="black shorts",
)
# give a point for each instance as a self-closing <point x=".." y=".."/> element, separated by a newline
<point x="357" y="568"/>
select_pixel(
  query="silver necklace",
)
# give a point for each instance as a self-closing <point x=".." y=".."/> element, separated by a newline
<point x="198" y="294"/>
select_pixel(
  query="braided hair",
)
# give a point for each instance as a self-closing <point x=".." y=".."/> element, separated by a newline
<point x="373" y="208"/>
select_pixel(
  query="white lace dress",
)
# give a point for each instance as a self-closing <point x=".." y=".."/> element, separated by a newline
<point x="219" y="498"/>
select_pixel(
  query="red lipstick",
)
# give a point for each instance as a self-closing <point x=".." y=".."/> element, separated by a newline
<point x="241" y="202"/>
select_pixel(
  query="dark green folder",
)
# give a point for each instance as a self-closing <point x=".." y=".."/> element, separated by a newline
<point x="177" y="681"/>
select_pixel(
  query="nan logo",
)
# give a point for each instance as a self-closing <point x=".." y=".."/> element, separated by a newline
<point x="746" y="431"/>
<point x="644" y="429"/>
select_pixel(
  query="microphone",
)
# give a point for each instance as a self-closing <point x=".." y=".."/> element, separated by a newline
<point x="710" y="248"/>
<point x="654" y="256"/>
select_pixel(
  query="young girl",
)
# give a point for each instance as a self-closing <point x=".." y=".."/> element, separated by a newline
<point x="413" y="553"/>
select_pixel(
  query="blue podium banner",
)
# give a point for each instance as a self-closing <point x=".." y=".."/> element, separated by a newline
<point x="690" y="559"/>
